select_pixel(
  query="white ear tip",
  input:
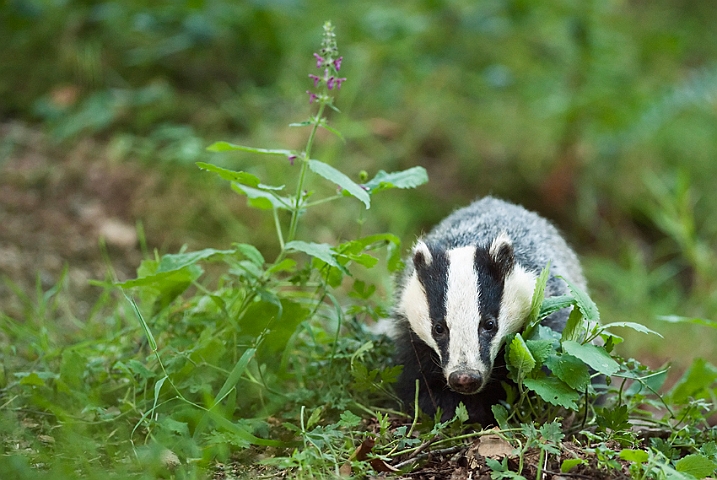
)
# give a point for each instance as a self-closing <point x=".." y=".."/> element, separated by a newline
<point x="502" y="239"/>
<point x="421" y="254"/>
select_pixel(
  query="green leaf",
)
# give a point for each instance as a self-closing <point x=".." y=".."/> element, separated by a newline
<point x="541" y="350"/>
<point x="574" y="329"/>
<point x="411" y="178"/>
<point x="261" y="199"/>
<point x="570" y="370"/>
<point x="635" y="456"/>
<point x="235" y="375"/>
<point x="520" y="358"/>
<point x="172" y="262"/>
<point x="553" y="304"/>
<point x="552" y="432"/>
<point x="349" y="419"/>
<point x="571" y="463"/>
<point x="696" y="321"/>
<point x="537" y="301"/>
<point x="696" y="465"/>
<point x="554" y="391"/>
<point x="584" y="302"/>
<point x="227" y="147"/>
<point x="596" y="357"/>
<point x="243" y="178"/>
<point x="322" y="251"/>
<point x="251" y="253"/>
<point x="331" y="174"/>
<point x="638" y="327"/>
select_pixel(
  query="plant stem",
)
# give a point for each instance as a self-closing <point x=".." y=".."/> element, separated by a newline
<point x="302" y="175"/>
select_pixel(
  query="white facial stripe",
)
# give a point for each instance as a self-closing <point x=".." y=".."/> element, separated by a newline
<point x="414" y="305"/>
<point x="462" y="312"/>
<point x="515" y="307"/>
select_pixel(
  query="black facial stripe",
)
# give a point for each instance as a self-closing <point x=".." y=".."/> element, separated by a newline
<point x="434" y="278"/>
<point x="491" y="282"/>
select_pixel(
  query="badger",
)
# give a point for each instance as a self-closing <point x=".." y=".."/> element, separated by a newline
<point x="467" y="286"/>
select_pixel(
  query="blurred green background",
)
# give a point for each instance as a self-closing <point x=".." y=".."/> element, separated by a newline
<point x="601" y="115"/>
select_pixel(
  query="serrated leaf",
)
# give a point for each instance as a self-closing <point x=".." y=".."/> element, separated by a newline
<point x="574" y="329"/>
<point x="410" y="178"/>
<point x="596" y="357"/>
<point x="537" y="301"/>
<point x="584" y="302"/>
<point x="520" y="358"/>
<point x="553" y="304"/>
<point x="696" y="465"/>
<point x="331" y="174"/>
<point x="244" y="178"/>
<point x="552" y="432"/>
<point x="554" y="391"/>
<point x="227" y="147"/>
<point x="570" y="370"/>
<point x="349" y="419"/>
<point x="540" y="349"/>
<point x="638" y="327"/>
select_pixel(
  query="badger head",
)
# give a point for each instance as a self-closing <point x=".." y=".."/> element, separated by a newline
<point x="463" y="302"/>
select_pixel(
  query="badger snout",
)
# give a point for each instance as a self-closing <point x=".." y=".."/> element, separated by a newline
<point x="466" y="382"/>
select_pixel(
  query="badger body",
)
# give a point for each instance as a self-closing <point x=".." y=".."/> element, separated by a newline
<point x="467" y="286"/>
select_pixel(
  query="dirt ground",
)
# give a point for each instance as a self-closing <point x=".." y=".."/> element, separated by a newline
<point x="57" y="207"/>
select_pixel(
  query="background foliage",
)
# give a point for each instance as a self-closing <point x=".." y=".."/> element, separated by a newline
<point x="598" y="114"/>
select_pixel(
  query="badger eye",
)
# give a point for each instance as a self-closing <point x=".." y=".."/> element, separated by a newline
<point x="489" y="326"/>
<point x="439" y="329"/>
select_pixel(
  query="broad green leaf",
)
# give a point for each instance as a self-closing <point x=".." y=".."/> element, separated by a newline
<point x="635" y="456"/>
<point x="570" y="370"/>
<point x="553" y="304"/>
<point x="227" y="147"/>
<point x="331" y="174"/>
<point x="410" y="178"/>
<point x="537" y="301"/>
<point x="349" y="419"/>
<point x="500" y="413"/>
<point x="571" y="463"/>
<point x="554" y="391"/>
<point x="173" y="425"/>
<point x="322" y="251"/>
<point x="32" y="379"/>
<point x="696" y="465"/>
<point x="638" y="327"/>
<point x="541" y="350"/>
<point x="286" y="265"/>
<point x="520" y="358"/>
<point x="233" y="176"/>
<point x="177" y="261"/>
<point x="584" y="302"/>
<point x="596" y="357"/>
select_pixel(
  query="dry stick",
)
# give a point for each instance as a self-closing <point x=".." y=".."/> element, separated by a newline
<point x="445" y="451"/>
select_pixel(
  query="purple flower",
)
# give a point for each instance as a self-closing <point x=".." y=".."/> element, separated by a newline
<point x="337" y="63"/>
<point x="334" y="81"/>
<point x="316" y="80"/>
<point x="319" y="60"/>
<point x="312" y="96"/>
<point x="291" y="159"/>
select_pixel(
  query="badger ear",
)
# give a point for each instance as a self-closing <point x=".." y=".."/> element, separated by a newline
<point x="421" y="255"/>
<point x="501" y="254"/>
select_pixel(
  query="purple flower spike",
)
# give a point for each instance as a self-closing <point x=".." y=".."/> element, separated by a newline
<point x="338" y="82"/>
<point x="319" y="60"/>
<point x="337" y="63"/>
<point x="316" y="80"/>
<point x="330" y="82"/>
<point x="291" y="159"/>
<point x="312" y="96"/>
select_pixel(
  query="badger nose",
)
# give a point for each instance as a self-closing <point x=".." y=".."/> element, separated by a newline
<point x="466" y="382"/>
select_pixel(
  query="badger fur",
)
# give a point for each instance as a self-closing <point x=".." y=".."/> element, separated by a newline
<point x="467" y="286"/>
